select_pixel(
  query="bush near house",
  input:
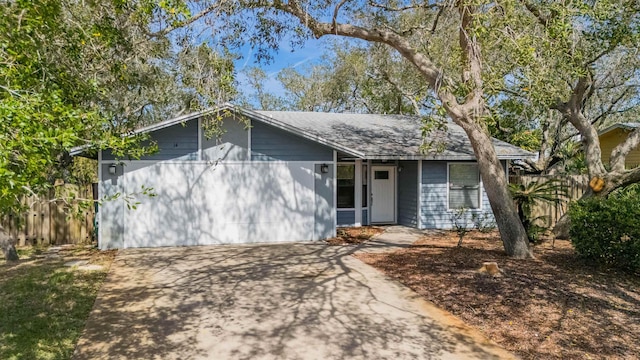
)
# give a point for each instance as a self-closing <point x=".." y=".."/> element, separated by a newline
<point x="607" y="231"/>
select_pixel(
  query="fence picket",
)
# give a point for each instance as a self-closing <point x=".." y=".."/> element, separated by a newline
<point x="46" y="221"/>
<point x="576" y="184"/>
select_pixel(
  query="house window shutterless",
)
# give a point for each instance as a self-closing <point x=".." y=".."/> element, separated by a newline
<point x="464" y="186"/>
<point x="346" y="186"/>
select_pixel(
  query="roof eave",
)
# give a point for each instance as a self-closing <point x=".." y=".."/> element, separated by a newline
<point x="624" y="126"/>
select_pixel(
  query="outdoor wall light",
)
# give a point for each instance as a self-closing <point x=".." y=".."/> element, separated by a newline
<point x="400" y="168"/>
<point x="324" y="168"/>
<point x="112" y="169"/>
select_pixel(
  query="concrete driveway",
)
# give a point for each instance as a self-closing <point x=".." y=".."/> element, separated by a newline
<point x="291" y="301"/>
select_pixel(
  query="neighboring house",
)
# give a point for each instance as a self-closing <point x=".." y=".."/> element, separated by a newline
<point x="614" y="135"/>
<point x="287" y="176"/>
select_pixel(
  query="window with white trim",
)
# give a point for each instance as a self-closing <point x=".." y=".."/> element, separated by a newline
<point x="347" y="186"/>
<point x="464" y="186"/>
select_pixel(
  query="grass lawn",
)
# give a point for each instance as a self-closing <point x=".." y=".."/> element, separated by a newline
<point x="554" y="307"/>
<point x="44" y="305"/>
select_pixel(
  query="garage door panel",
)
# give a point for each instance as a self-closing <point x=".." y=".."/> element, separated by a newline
<point x="198" y="204"/>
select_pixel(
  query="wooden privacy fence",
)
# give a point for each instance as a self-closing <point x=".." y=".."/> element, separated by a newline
<point x="53" y="222"/>
<point x="576" y="186"/>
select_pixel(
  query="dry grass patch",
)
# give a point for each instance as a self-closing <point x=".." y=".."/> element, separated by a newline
<point x="554" y="307"/>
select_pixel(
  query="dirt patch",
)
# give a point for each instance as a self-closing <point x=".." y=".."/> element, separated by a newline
<point x="554" y="307"/>
<point x="354" y="235"/>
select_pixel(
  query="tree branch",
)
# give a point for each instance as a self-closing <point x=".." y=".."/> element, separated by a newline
<point x="472" y="61"/>
<point x="620" y="152"/>
<point x="434" y="76"/>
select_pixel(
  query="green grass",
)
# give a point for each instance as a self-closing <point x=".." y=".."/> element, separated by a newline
<point x="43" y="309"/>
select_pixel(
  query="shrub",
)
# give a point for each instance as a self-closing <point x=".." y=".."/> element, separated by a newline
<point x="460" y="223"/>
<point x="526" y="198"/>
<point x="606" y="230"/>
<point x="484" y="222"/>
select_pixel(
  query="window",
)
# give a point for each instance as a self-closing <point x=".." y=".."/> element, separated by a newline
<point x="346" y="186"/>
<point x="381" y="175"/>
<point x="365" y="194"/>
<point x="464" y="186"/>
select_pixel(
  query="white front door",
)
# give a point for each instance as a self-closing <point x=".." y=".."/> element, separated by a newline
<point x="383" y="194"/>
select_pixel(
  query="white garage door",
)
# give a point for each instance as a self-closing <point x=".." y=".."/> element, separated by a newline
<point x="201" y="204"/>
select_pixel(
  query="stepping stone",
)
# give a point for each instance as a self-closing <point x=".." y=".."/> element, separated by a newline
<point x="91" y="267"/>
<point x="76" y="263"/>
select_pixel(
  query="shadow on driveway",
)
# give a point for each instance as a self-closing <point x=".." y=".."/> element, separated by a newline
<point x="290" y="301"/>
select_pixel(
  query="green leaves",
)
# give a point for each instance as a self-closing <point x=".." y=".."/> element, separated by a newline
<point x="606" y="230"/>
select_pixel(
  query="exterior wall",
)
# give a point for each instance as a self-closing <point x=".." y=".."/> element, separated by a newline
<point x="346" y="217"/>
<point x="324" y="221"/>
<point x="408" y="193"/>
<point x="434" y="207"/>
<point x="269" y="143"/>
<point x="232" y="145"/>
<point x="610" y="140"/>
<point x="276" y="197"/>
<point x="111" y="213"/>
<point x="177" y="142"/>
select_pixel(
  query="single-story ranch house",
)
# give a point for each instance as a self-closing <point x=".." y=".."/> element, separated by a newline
<point x="275" y="176"/>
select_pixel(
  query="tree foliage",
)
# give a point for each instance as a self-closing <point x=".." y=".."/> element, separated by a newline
<point x="86" y="74"/>
<point x="605" y="230"/>
<point x="356" y="78"/>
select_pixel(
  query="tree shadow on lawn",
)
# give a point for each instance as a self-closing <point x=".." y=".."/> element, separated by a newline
<point x="556" y="306"/>
<point x="43" y="308"/>
<point x="288" y="301"/>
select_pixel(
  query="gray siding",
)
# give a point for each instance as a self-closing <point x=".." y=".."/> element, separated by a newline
<point x="346" y="217"/>
<point x="111" y="212"/>
<point x="323" y="224"/>
<point x="434" y="207"/>
<point x="269" y="143"/>
<point x="177" y="142"/>
<point x="233" y="144"/>
<point x="408" y="194"/>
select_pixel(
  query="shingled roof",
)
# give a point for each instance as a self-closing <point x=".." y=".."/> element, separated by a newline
<point x="366" y="136"/>
<point x="385" y="136"/>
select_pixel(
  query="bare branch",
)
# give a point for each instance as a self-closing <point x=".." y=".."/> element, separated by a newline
<point x="535" y="11"/>
<point x="424" y="5"/>
<point x="186" y="22"/>
<point x="436" y="20"/>
<point x="472" y="60"/>
<point x="336" y="10"/>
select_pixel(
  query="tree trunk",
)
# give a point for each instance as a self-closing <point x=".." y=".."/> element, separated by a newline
<point x="8" y="249"/>
<point x="512" y="232"/>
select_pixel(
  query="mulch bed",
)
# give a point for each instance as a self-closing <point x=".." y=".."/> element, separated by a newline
<point x="554" y="307"/>
<point x="354" y="235"/>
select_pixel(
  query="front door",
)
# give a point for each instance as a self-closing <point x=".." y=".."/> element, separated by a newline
<point x="383" y="194"/>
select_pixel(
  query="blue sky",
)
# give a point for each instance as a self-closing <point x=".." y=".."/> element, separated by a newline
<point x="286" y="56"/>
